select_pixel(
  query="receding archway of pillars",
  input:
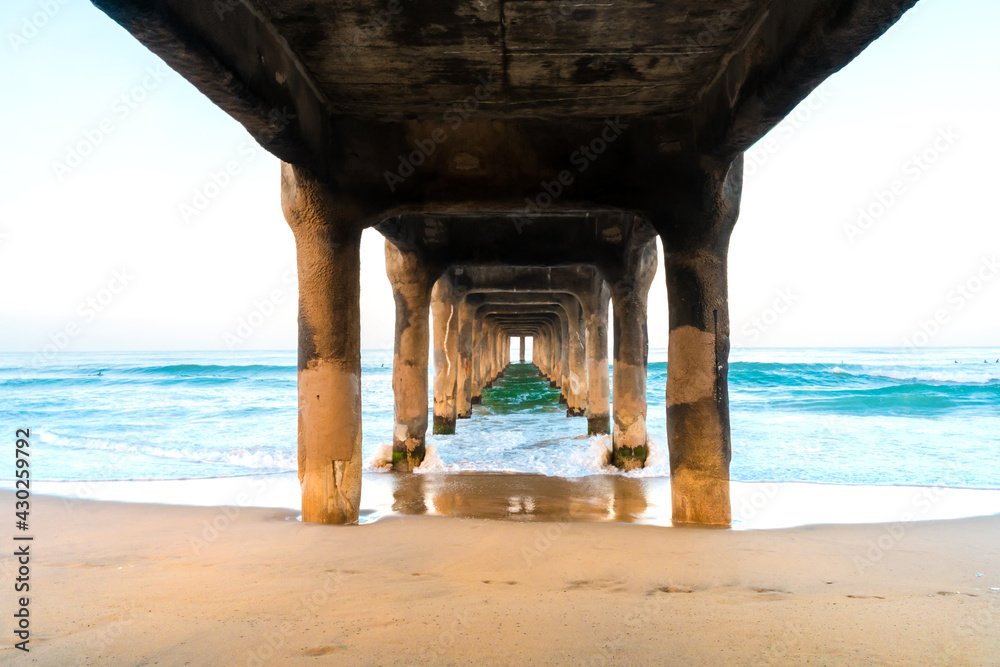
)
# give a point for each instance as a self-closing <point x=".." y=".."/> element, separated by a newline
<point x="586" y="284"/>
<point x="569" y="345"/>
<point x="474" y="307"/>
<point x="663" y="146"/>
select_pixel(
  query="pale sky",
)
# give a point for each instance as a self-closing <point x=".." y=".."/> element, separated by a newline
<point x="108" y="226"/>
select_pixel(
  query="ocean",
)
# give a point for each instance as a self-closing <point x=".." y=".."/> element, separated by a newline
<point x="842" y="416"/>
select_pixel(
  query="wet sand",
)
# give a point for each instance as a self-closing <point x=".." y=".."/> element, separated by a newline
<point x="532" y="497"/>
<point x="124" y="583"/>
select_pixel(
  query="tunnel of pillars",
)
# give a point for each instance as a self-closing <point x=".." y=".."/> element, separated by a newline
<point x="477" y="311"/>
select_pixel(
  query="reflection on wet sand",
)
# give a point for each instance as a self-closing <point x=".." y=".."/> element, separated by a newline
<point x="520" y="497"/>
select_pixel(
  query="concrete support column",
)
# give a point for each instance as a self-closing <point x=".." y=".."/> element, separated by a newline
<point x="539" y="353"/>
<point x="498" y="348"/>
<point x="523" y="349"/>
<point x="328" y="244"/>
<point x="488" y="354"/>
<point x="411" y="282"/>
<point x="477" y="360"/>
<point x="576" y="396"/>
<point x="500" y="355"/>
<point x="598" y="393"/>
<point x="698" y="362"/>
<point x="444" y="307"/>
<point x="466" y="313"/>
<point x="564" y="359"/>
<point x="631" y="346"/>
<point x="550" y="343"/>
<point x="555" y="358"/>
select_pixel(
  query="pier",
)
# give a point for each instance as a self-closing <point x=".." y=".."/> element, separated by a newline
<point x="520" y="164"/>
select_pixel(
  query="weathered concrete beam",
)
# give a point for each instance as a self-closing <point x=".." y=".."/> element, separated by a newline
<point x="598" y="393"/>
<point x="466" y="318"/>
<point x="784" y="54"/>
<point x="629" y="293"/>
<point x="328" y="247"/>
<point x="696" y="242"/>
<point x="444" y="307"/>
<point x="266" y="88"/>
<point x="411" y="279"/>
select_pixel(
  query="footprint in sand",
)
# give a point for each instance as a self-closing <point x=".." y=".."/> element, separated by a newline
<point x="771" y="593"/>
<point x="322" y="650"/>
<point x="597" y="585"/>
<point x="673" y="589"/>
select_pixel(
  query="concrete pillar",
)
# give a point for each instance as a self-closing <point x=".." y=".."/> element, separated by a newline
<point x="555" y="358"/>
<point x="498" y="351"/>
<point x="411" y="282"/>
<point x="500" y="360"/>
<point x="598" y="393"/>
<point x="539" y="354"/>
<point x="576" y="395"/>
<point x="523" y="349"/>
<point x="444" y="307"/>
<point x="631" y="344"/>
<point x="488" y="354"/>
<point x="564" y="359"/>
<point x="327" y="243"/>
<point x="698" y="363"/>
<point x="477" y="360"/>
<point x="466" y="313"/>
<point x="548" y="349"/>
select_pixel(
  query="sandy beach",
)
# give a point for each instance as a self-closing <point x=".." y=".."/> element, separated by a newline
<point x="124" y="583"/>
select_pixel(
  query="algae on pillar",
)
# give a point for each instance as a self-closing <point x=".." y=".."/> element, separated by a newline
<point x="629" y="294"/>
<point x="411" y="282"/>
<point x="328" y="251"/>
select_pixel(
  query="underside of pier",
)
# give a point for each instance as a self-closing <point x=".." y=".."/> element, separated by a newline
<point x="520" y="157"/>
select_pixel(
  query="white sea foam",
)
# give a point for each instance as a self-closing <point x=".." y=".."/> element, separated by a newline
<point x="432" y="462"/>
<point x="253" y="459"/>
<point x="381" y="459"/>
<point x="658" y="460"/>
<point x="964" y="375"/>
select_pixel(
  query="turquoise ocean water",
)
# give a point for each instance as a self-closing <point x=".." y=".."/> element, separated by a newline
<point x="859" y="416"/>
